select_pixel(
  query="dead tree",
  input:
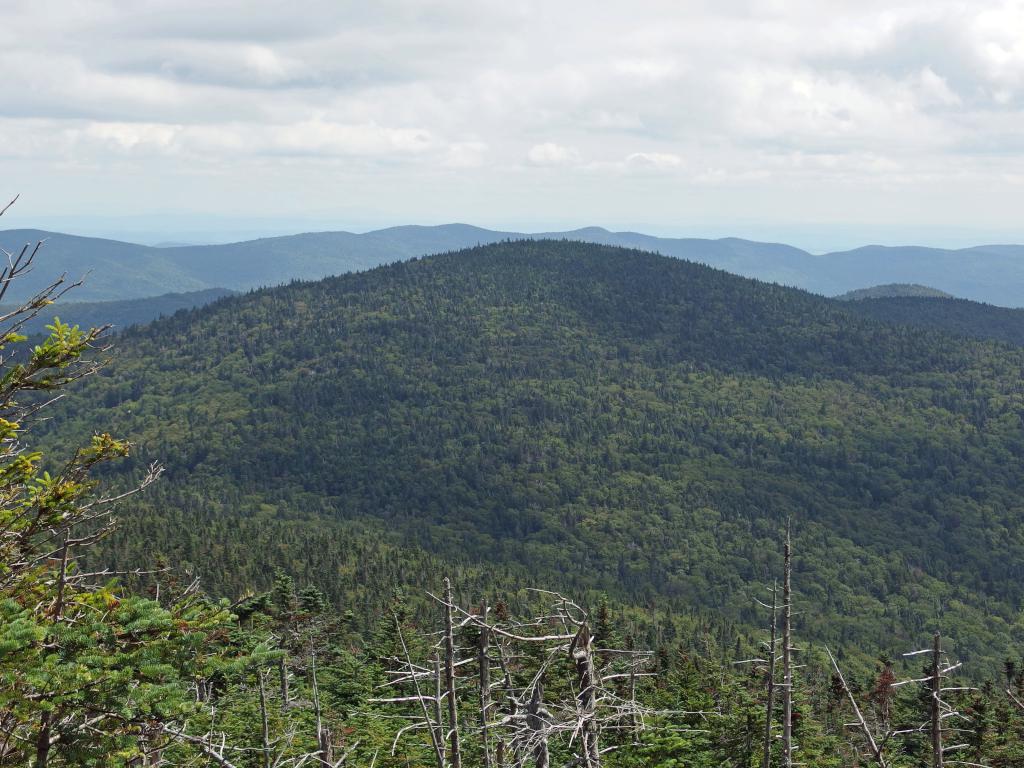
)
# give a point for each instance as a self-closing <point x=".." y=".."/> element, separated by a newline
<point x="787" y="650"/>
<point x="484" y="677"/>
<point x="282" y="670"/>
<point x="538" y="720"/>
<point x="936" y="702"/>
<point x="323" y="734"/>
<point x="940" y="710"/>
<point x="264" y="722"/>
<point x="769" y="706"/>
<point x="438" y="713"/>
<point x="582" y="655"/>
<point x="513" y="710"/>
<point x="429" y="706"/>
<point x="449" y="678"/>
<point x="564" y="633"/>
<point x="873" y="741"/>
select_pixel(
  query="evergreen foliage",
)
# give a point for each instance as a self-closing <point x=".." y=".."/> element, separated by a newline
<point x="957" y="316"/>
<point x="528" y="414"/>
<point x="594" y="419"/>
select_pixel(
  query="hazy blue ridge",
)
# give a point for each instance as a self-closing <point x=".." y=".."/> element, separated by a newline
<point x="989" y="273"/>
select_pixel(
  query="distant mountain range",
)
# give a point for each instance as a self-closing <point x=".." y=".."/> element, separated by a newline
<point x="118" y="270"/>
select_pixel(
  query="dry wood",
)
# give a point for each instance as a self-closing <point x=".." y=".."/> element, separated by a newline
<point x="936" y="701"/>
<point x="264" y="723"/>
<point x="787" y="663"/>
<point x="769" y="715"/>
<point x="484" y="677"/>
<point x="455" y="747"/>
<point x="537" y="720"/>
<point x="876" y="750"/>
<point x="582" y="655"/>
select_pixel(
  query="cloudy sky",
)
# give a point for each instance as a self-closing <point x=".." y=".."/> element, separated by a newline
<point x="818" y="122"/>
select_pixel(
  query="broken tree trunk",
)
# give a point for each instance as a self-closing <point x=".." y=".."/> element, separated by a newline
<point x="283" y="673"/>
<point x="876" y="750"/>
<point x="264" y="724"/>
<point x="438" y="716"/>
<point x="766" y="760"/>
<point x="582" y="655"/>
<point x="454" y="748"/>
<point x="537" y="720"/>
<point x="787" y="663"/>
<point x="323" y="735"/>
<point x="484" y="664"/>
<point x="936" y="700"/>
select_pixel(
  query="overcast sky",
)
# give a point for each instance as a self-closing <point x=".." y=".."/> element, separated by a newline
<point x="822" y="123"/>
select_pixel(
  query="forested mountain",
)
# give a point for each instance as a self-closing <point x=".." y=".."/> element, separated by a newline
<point x="582" y="417"/>
<point x="958" y="316"/>
<point x="993" y="274"/>
<point x="894" y="290"/>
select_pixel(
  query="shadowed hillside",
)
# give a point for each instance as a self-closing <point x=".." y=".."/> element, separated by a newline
<point x="958" y="316"/>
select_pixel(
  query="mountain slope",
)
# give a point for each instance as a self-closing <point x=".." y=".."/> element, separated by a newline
<point x="993" y="274"/>
<point x="959" y="316"/>
<point x="604" y="419"/>
<point x="115" y="270"/>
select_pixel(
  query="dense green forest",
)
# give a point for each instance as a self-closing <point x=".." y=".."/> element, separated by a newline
<point x="956" y="316"/>
<point x="588" y="418"/>
<point x="633" y="431"/>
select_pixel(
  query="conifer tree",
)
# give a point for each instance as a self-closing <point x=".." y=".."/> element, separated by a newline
<point x="90" y="674"/>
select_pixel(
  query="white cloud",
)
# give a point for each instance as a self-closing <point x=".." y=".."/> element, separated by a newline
<point x="936" y="89"/>
<point x="466" y="154"/>
<point x="775" y="100"/>
<point x="550" y="153"/>
<point x="654" y="160"/>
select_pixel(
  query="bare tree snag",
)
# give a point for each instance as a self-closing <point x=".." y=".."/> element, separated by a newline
<point x="582" y="655"/>
<point x="936" y="701"/>
<point x="484" y="664"/>
<point x="264" y="723"/>
<point x="323" y="735"/>
<point x="516" y="728"/>
<point x="433" y="726"/>
<point x="787" y="662"/>
<point x="876" y="750"/>
<point x="766" y="760"/>
<point x="634" y="724"/>
<point x="938" y="709"/>
<point x="454" y="748"/>
<point x="283" y="673"/>
<point x="537" y="718"/>
<point x="442" y="750"/>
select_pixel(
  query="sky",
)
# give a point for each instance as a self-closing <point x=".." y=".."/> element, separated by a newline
<point x="820" y="123"/>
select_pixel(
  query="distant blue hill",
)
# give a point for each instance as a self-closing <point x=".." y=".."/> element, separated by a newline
<point x="118" y="270"/>
<point x="894" y="291"/>
<point x="122" y="313"/>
